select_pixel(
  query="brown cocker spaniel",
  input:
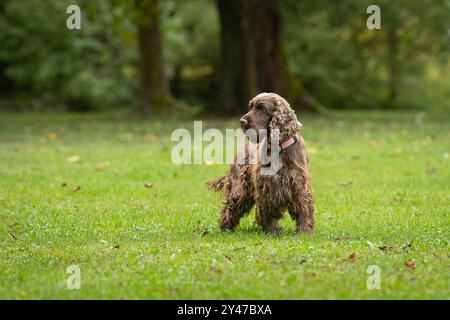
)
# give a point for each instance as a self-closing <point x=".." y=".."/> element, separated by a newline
<point x="288" y="189"/>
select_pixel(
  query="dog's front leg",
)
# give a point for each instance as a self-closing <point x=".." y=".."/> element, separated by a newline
<point x="268" y="218"/>
<point x="234" y="209"/>
<point x="302" y="211"/>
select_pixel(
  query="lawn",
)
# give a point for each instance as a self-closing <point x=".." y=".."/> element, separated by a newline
<point x="100" y="192"/>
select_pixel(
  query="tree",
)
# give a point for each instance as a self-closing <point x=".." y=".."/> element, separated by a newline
<point x="57" y="68"/>
<point x="252" y="56"/>
<point x="153" y="88"/>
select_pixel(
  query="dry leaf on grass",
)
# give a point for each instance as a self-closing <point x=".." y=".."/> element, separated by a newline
<point x="345" y="183"/>
<point x="391" y="248"/>
<point x="411" y="264"/>
<point x="148" y="185"/>
<point x="228" y="257"/>
<point x="386" y="248"/>
<point x="406" y="246"/>
<point x="76" y="188"/>
<point x="109" y="249"/>
<point x="51" y="136"/>
<point x="14" y="225"/>
<point x="74" y="159"/>
<point x="101" y="166"/>
<point x="353" y="257"/>
<point x="150" y="137"/>
<point x="310" y="274"/>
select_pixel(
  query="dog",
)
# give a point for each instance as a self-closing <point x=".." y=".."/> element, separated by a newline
<point x="245" y="186"/>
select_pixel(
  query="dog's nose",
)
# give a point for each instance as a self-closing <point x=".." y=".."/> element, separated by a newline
<point x="243" y="121"/>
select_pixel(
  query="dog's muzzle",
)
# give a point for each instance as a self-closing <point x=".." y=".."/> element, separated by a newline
<point x="245" y="125"/>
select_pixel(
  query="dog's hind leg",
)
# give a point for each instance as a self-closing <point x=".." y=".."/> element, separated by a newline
<point x="302" y="212"/>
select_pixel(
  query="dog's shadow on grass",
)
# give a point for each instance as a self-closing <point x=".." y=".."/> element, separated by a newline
<point x="255" y="231"/>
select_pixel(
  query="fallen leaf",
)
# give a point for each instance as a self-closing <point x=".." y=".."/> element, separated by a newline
<point x="74" y="159"/>
<point x="411" y="264"/>
<point x="14" y="225"/>
<point x="51" y="136"/>
<point x="386" y="248"/>
<point x="143" y="206"/>
<point x="215" y="269"/>
<point x="339" y="237"/>
<point x="109" y="249"/>
<point x="352" y="257"/>
<point x="148" y="184"/>
<point x="228" y="257"/>
<point x="274" y="262"/>
<point x="406" y="246"/>
<point x="76" y="188"/>
<point x="345" y="183"/>
<point x="150" y="137"/>
<point x="310" y="274"/>
<point x="101" y="166"/>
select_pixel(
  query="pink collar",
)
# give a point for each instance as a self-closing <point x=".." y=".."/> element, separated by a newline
<point x="289" y="142"/>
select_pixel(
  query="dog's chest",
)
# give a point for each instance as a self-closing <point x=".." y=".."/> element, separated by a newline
<point x="276" y="188"/>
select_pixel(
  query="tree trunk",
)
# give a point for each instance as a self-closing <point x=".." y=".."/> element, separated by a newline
<point x="392" y="67"/>
<point x="237" y="70"/>
<point x="253" y="59"/>
<point x="153" y="88"/>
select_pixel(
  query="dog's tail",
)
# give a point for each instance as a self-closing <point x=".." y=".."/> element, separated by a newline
<point x="217" y="184"/>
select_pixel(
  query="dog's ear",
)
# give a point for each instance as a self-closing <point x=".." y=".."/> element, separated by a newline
<point x="283" y="121"/>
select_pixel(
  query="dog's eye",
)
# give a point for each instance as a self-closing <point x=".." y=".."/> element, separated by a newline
<point x="260" y="106"/>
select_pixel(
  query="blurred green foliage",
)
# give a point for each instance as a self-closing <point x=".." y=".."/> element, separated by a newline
<point x="340" y="61"/>
<point x="81" y="69"/>
<point x="346" y="65"/>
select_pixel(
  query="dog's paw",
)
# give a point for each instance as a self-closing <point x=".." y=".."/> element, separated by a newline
<point x="274" y="230"/>
<point x="305" y="228"/>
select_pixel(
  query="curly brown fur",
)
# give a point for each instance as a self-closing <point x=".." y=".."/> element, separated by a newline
<point x="289" y="189"/>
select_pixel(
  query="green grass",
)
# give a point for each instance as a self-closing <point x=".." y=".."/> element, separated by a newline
<point x="379" y="179"/>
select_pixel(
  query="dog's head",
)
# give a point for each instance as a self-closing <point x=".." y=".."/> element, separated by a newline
<point x="273" y="113"/>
